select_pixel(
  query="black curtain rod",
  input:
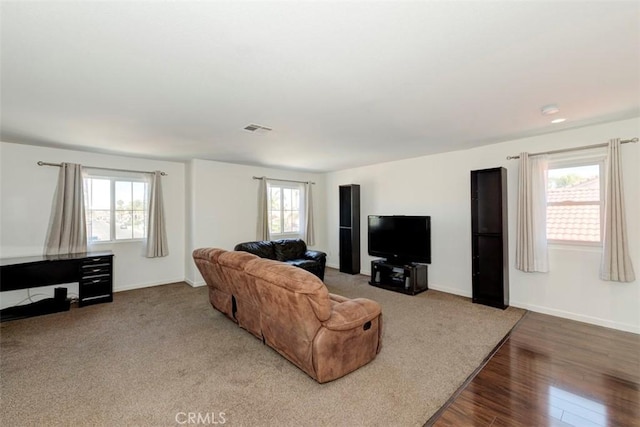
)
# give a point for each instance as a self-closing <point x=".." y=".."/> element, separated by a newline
<point x="284" y="180"/>
<point x="566" y="150"/>
<point x="41" y="163"/>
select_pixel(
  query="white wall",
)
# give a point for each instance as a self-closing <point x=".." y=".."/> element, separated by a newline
<point x="223" y="205"/>
<point x="27" y="189"/>
<point x="207" y="204"/>
<point x="439" y="186"/>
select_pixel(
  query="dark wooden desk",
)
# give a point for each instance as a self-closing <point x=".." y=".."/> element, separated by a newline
<point x="92" y="270"/>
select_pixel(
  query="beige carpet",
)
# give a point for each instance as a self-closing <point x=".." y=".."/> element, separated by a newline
<point x="155" y="355"/>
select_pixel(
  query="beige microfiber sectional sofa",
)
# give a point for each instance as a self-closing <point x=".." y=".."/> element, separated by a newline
<point x="291" y="310"/>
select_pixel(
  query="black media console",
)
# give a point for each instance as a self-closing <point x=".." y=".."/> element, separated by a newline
<point x="92" y="270"/>
<point x="410" y="278"/>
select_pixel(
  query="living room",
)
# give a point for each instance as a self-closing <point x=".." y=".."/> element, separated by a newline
<point x="212" y="202"/>
<point x="571" y="289"/>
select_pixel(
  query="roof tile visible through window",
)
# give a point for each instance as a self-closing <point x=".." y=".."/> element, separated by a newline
<point x="574" y="222"/>
<point x="584" y="192"/>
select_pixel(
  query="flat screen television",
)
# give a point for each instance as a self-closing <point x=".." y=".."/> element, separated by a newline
<point x="400" y="239"/>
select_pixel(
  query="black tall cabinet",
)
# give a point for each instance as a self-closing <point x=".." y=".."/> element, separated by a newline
<point x="350" y="228"/>
<point x="489" y="239"/>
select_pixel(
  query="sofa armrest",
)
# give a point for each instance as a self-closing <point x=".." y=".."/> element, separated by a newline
<point x="352" y="313"/>
<point x="338" y="298"/>
<point x="315" y="255"/>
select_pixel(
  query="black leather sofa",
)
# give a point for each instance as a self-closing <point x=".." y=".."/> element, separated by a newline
<point x="291" y="251"/>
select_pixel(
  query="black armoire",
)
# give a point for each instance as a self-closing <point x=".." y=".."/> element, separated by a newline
<point x="489" y="239"/>
<point x="350" y="229"/>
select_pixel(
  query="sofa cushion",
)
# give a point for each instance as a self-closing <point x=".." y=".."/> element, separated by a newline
<point x="289" y="249"/>
<point x="236" y="260"/>
<point x="281" y="276"/>
<point x="263" y="249"/>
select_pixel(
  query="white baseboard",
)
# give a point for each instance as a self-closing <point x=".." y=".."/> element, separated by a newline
<point x="446" y="289"/>
<point x="449" y="290"/>
<point x="146" y="285"/>
<point x="195" y="284"/>
<point x="362" y="271"/>
<point x="538" y="309"/>
<point x="578" y="317"/>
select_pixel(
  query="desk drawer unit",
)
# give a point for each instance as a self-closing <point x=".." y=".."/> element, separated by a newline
<point x="96" y="280"/>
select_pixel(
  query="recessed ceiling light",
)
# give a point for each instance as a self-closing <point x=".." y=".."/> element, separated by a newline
<point x="558" y="120"/>
<point x="549" y="109"/>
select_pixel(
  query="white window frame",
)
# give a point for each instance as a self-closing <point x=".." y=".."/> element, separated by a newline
<point x="577" y="162"/>
<point x="112" y="207"/>
<point x="290" y="185"/>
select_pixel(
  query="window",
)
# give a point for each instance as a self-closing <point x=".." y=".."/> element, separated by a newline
<point x="285" y="209"/>
<point x="574" y="201"/>
<point x="116" y="208"/>
<point x="572" y="409"/>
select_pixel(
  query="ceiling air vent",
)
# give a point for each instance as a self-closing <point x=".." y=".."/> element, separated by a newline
<point x="257" y="128"/>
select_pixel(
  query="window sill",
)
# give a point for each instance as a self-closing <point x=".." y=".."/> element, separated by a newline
<point x="285" y="236"/>
<point x="112" y="242"/>
<point x="564" y="245"/>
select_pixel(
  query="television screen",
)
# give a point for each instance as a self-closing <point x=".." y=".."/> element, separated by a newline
<point x="400" y="238"/>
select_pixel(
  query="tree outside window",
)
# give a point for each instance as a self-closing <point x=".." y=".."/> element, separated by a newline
<point x="116" y="209"/>
<point x="284" y="209"/>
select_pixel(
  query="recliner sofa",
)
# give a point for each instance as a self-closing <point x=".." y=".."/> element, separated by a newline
<point x="325" y="335"/>
<point x="291" y="251"/>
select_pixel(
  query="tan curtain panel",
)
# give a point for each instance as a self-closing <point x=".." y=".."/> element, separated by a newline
<point x="262" y="226"/>
<point x="531" y="237"/>
<point x="309" y="233"/>
<point x="157" y="243"/>
<point x="616" y="261"/>
<point x="67" y="231"/>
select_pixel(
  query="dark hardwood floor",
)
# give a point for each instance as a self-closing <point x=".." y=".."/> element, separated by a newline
<point x="553" y="372"/>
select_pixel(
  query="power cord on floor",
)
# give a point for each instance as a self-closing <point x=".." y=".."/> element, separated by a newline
<point x="73" y="297"/>
<point x="29" y="298"/>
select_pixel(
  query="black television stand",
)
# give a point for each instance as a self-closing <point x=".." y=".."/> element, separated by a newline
<point x="409" y="278"/>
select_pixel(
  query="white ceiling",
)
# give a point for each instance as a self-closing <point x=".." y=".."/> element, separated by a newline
<point x="342" y="84"/>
